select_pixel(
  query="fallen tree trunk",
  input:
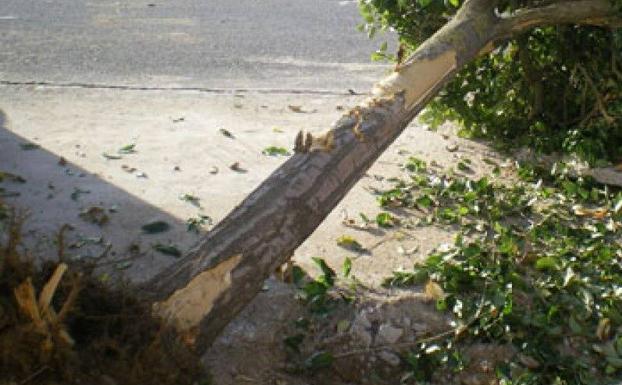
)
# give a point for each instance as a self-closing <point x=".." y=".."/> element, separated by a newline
<point x="204" y="290"/>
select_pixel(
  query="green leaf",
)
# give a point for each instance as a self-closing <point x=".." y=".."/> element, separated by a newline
<point x="168" y="250"/>
<point x="77" y="192"/>
<point x="347" y="267"/>
<point x="385" y="219"/>
<point x="293" y="342"/>
<point x="192" y="199"/>
<point x="546" y="263"/>
<point x="298" y="274"/>
<point x="11" y="177"/>
<point x="319" y="360"/>
<point x="575" y="327"/>
<point x="195" y="224"/>
<point x="29" y="146"/>
<point x="226" y="133"/>
<point x="348" y="242"/>
<point x="274" y="151"/>
<point x="128" y="149"/>
<point x="424" y="3"/>
<point x="111" y="156"/>
<point x="329" y="274"/>
<point x="424" y="201"/>
<point x="155" y="227"/>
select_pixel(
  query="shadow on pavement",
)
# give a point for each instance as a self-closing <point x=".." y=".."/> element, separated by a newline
<point x="54" y="192"/>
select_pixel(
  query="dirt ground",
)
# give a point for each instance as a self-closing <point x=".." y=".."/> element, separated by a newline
<point x="64" y="144"/>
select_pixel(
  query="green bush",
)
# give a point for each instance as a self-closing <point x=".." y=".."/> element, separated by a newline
<point x="555" y="89"/>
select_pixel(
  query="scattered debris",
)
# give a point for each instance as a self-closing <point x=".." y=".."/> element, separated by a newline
<point x="123" y="265"/>
<point x="181" y="119"/>
<point x="236" y="167"/>
<point x="128" y="149"/>
<point x="4" y="175"/>
<point x="77" y="192"/>
<point x="596" y="213"/>
<point x="95" y="214"/>
<point x="192" y="199"/>
<point x="350" y="243"/>
<point x="62" y="325"/>
<point x="297" y="109"/>
<point x="171" y="250"/>
<point x="155" y="227"/>
<point x="226" y="133"/>
<point x="389" y="334"/>
<point x="62" y="161"/>
<point x="452" y="147"/>
<point x="195" y="223"/>
<point x="385" y="219"/>
<point x="275" y="151"/>
<point x="111" y="156"/>
<point x="29" y="146"/>
<point x="127" y="168"/>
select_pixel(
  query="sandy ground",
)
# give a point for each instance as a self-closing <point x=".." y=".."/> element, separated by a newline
<point x="180" y="149"/>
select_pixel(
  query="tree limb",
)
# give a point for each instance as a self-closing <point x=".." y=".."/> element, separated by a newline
<point x="589" y="12"/>
<point x="205" y="289"/>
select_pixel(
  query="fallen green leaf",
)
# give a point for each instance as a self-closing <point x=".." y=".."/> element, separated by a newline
<point x="168" y="250"/>
<point x="155" y="227"/>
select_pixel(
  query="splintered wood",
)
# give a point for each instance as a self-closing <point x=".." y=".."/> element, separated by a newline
<point x="41" y="313"/>
<point x="417" y="79"/>
<point x="187" y="306"/>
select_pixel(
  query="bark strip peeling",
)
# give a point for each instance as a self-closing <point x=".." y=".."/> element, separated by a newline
<point x="186" y="307"/>
<point x="418" y="79"/>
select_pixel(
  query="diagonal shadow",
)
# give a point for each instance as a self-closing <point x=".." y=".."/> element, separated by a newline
<point x="54" y="192"/>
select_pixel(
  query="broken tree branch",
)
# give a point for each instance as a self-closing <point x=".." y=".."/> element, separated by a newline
<point x="205" y="289"/>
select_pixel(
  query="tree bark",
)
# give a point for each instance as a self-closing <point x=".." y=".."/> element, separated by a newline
<point x="205" y="289"/>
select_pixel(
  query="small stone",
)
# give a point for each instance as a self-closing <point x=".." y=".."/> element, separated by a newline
<point x="213" y="170"/>
<point x="176" y="168"/>
<point x="362" y="320"/>
<point x="62" y="161"/>
<point x="390" y="358"/>
<point x="362" y="334"/>
<point x="452" y="147"/>
<point x="389" y="334"/>
<point x="474" y="379"/>
<point x="528" y="361"/>
<point x="236" y="167"/>
<point x="107" y="380"/>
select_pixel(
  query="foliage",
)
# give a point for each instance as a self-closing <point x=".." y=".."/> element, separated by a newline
<point x="536" y="265"/>
<point x="554" y="89"/>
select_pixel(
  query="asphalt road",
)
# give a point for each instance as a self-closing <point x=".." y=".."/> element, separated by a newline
<point x="268" y="44"/>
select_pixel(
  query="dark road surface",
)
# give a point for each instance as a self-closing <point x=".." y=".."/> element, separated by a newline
<point x="273" y="44"/>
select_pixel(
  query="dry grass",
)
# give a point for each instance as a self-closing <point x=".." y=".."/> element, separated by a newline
<point x="60" y="325"/>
